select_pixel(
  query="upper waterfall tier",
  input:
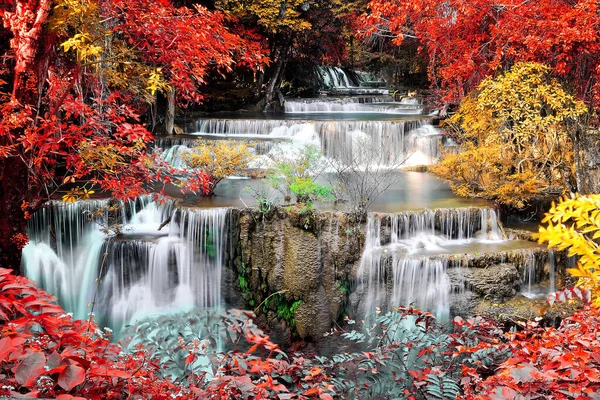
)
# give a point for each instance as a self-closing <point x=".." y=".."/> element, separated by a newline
<point x="416" y="142"/>
<point x="343" y="81"/>
<point x="351" y="105"/>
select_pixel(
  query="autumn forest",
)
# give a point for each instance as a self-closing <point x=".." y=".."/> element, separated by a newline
<point x="300" y="199"/>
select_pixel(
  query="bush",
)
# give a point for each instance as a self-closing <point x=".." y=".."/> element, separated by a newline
<point x="574" y="225"/>
<point x="297" y="173"/>
<point x="210" y="162"/>
<point x="406" y="354"/>
<point x="45" y="353"/>
<point x="515" y="133"/>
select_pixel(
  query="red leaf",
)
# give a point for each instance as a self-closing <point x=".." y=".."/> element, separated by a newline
<point x="30" y="369"/>
<point x="5" y="347"/>
<point x="71" y="377"/>
<point x="112" y="372"/>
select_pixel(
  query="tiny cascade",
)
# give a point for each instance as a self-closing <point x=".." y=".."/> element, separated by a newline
<point x="398" y="265"/>
<point x="339" y="81"/>
<point x="350" y="105"/>
<point x="334" y="77"/>
<point x="173" y="155"/>
<point x="538" y="275"/>
<point x="144" y="271"/>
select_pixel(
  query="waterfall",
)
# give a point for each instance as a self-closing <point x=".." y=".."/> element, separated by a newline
<point x="417" y="141"/>
<point x="349" y="105"/>
<point x="334" y="77"/>
<point x="399" y="264"/>
<point x="172" y="155"/>
<point x="340" y="81"/>
<point x="538" y="274"/>
<point x="64" y="248"/>
<point x="143" y="271"/>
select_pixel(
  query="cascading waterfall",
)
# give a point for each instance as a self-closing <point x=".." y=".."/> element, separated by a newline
<point x="143" y="271"/>
<point x="398" y="266"/>
<point x="338" y="80"/>
<point x="417" y="142"/>
<point x="334" y="77"/>
<point x="63" y="251"/>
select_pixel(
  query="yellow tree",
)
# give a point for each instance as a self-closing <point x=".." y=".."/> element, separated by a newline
<point x="574" y="225"/>
<point x="515" y="134"/>
<point x="212" y="161"/>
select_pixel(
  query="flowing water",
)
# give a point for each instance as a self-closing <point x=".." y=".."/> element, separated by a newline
<point x="410" y="142"/>
<point x="404" y="260"/>
<point x="142" y="271"/>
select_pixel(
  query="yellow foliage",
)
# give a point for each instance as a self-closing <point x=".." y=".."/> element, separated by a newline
<point x="515" y="137"/>
<point x="101" y="157"/>
<point x="76" y="194"/>
<point x="274" y="16"/>
<point x="574" y="225"/>
<point x="218" y="158"/>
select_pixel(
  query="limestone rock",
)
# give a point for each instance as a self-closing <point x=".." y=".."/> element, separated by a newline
<point x="302" y="256"/>
<point x="496" y="282"/>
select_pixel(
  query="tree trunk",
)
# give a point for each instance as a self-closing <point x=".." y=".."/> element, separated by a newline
<point x="26" y="21"/>
<point x="259" y="84"/>
<point x="13" y="190"/>
<point x="170" y="113"/>
<point x="587" y="160"/>
<point x="271" y="86"/>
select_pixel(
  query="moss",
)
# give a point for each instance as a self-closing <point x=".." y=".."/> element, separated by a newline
<point x="283" y="307"/>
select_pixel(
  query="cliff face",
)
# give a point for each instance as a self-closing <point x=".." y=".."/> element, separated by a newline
<point x="289" y="259"/>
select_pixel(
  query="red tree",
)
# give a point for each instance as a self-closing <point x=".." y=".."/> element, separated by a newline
<point x="469" y="40"/>
<point x="77" y="77"/>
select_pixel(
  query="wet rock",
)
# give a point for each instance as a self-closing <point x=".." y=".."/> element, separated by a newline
<point x="301" y="256"/>
<point x="463" y="303"/>
<point x="496" y="282"/>
<point x="520" y="309"/>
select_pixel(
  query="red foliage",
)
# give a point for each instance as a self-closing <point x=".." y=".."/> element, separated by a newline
<point x="558" y="363"/>
<point x="468" y="40"/>
<point x="185" y="42"/>
<point x="45" y="353"/>
<point x="264" y="371"/>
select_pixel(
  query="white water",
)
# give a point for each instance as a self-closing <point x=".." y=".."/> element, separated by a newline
<point x="399" y="269"/>
<point x="63" y="251"/>
<point x="316" y="107"/>
<point x="417" y="142"/>
<point x="337" y="80"/>
<point x="144" y="271"/>
<point x="334" y="77"/>
<point x="535" y="270"/>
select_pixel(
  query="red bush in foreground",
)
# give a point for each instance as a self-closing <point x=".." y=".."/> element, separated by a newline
<point x="45" y="353"/>
<point x="557" y="363"/>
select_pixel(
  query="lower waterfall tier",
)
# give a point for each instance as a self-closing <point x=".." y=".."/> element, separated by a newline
<point x="324" y="263"/>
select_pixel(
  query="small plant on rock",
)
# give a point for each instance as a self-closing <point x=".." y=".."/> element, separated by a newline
<point x="297" y="174"/>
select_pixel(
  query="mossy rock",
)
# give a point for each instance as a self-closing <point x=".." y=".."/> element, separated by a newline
<point x="521" y="309"/>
